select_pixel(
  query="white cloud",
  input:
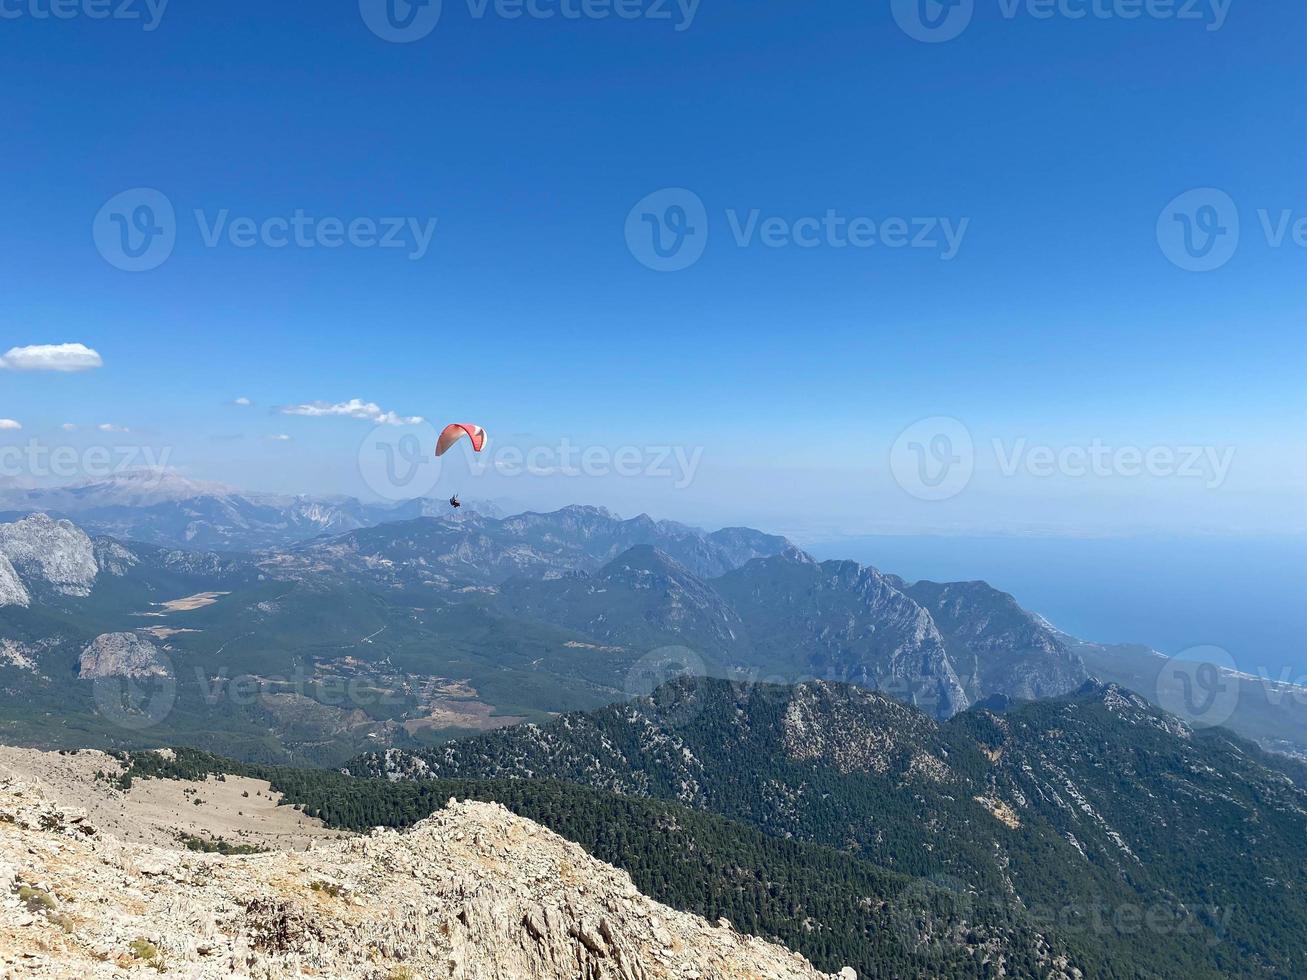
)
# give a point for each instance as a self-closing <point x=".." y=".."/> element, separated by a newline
<point x="243" y="402"/>
<point x="280" y="437"/>
<point x="68" y="427"/>
<point x="9" y="424"/>
<point x="355" y="408"/>
<point x="51" y="357"/>
<point x="110" y="427"/>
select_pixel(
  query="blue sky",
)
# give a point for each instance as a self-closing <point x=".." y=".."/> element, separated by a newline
<point x="1060" y="322"/>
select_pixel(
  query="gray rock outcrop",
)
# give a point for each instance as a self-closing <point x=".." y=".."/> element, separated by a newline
<point x="121" y="655"/>
<point x="472" y="893"/>
<point x="12" y="590"/>
<point x="57" y="553"/>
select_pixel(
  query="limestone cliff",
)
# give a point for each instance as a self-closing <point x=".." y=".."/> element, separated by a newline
<point x="473" y="893"/>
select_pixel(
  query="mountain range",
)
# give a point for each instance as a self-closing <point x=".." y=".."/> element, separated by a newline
<point x="464" y="623"/>
<point x="165" y="508"/>
<point x="1087" y="813"/>
<point x="467" y="622"/>
<point x="922" y="779"/>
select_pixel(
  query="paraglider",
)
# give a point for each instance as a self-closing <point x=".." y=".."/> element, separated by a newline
<point x="451" y="435"/>
<point x="457" y="431"/>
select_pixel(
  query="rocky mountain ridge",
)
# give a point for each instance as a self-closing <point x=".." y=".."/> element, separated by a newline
<point x="788" y="616"/>
<point x="854" y="623"/>
<point x="12" y="590"/>
<point x="41" y="556"/>
<point x="472" y="549"/>
<point x="1064" y="805"/>
<point x="995" y="645"/>
<point x="45" y="552"/>
<point x="472" y="893"/>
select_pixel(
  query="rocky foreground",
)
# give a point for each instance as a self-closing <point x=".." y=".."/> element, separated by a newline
<point x="473" y="893"/>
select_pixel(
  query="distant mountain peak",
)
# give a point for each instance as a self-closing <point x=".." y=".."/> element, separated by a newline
<point x="788" y="555"/>
<point x="139" y="486"/>
<point x="591" y="510"/>
<point x="997" y="645"/>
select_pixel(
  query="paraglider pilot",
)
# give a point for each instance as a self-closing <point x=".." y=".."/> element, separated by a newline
<point x="453" y="433"/>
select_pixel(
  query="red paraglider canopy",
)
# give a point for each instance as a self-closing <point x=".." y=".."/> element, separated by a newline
<point x="457" y="431"/>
